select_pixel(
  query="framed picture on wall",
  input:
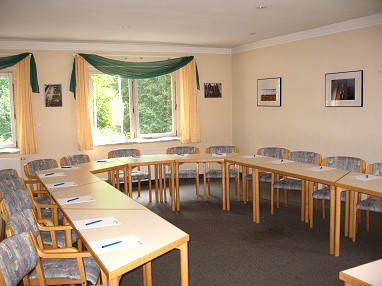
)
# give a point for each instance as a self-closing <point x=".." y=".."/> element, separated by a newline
<point x="269" y="92"/>
<point x="213" y="90"/>
<point x="344" y="89"/>
<point x="53" y="95"/>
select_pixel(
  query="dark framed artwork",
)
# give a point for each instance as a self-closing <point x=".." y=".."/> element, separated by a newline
<point x="53" y="95"/>
<point x="213" y="90"/>
<point x="269" y="91"/>
<point x="344" y="89"/>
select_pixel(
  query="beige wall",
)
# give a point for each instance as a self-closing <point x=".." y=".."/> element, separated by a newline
<point x="55" y="127"/>
<point x="303" y="122"/>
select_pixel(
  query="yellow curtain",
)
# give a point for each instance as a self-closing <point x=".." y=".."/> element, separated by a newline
<point x="24" y="111"/>
<point x="84" y="130"/>
<point x="189" y="117"/>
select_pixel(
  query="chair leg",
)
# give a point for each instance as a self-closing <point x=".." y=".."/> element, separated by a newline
<point x="150" y="189"/>
<point x="323" y="202"/>
<point x="237" y="181"/>
<point x="160" y="176"/>
<point x="278" y="198"/>
<point x="368" y="221"/>
<point x="164" y="184"/>
<point x="286" y="198"/>
<point x="139" y="188"/>
<point x="316" y="204"/>
<point x="347" y="214"/>
<point x="272" y="201"/>
<point x="209" y="186"/>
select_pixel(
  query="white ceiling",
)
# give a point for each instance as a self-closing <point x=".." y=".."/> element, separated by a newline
<point x="218" y="24"/>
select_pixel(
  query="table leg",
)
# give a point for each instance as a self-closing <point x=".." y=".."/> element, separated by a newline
<point x="204" y="182"/>
<point x="156" y="183"/>
<point x="302" y="200"/>
<point x="114" y="281"/>
<point x="310" y="198"/>
<point x="177" y="188"/>
<point x="147" y="274"/>
<point x="126" y="180"/>
<point x="183" y="264"/>
<point x="337" y="191"/>
<point x="226" y="190"/>
<point x="149" y="173"/>
<point x="244" y="174"/>
<point x="257" y="193"/>
<point x="130" y="182"/>
<point x="160" y="176"/>
<point x="351" y="210"/>
<point x="306" y="185"/>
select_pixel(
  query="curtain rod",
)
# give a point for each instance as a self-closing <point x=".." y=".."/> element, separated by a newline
<point x="136" y="56"/>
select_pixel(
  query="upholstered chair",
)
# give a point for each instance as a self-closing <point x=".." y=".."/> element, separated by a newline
<point x="74" y="159"/>
<point x="30" y="169"/>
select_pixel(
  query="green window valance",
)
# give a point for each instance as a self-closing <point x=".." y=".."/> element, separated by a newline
<point x="133" y="70"/>
<point x="6" y="62"/>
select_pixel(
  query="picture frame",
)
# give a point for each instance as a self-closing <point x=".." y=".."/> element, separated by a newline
<point x="269" y="92"/>
<point x="344" y="89"/>
<point x="213" y="90"/>
<point x="53" y="95"/>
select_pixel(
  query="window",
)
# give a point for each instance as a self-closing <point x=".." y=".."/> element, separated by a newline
<point x="7" y="115"/>
<point x="125" y="108"/>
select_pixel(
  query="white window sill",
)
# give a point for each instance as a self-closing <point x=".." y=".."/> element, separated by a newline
<point x="138" y="141"/>
<point x="9" y="151"/>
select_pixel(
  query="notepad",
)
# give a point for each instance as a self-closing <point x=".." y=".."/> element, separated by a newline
<point x="75" y="200"/>
<point x="365" y="178"/>
<point x="67" y="168"/>
<point x="219" y="154"/>
<point x="282" y="161"/>
<point x="53" y="174"/>
<point x="61" y="185"/>
<point x="96" y="222"/>
<point x="252" y="156"/>
<point x="116" y="244"/>
<point x="181" y="155"/>
<point x="320" y="169"/>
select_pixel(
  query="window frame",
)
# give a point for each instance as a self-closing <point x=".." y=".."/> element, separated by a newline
<point x="9" y="74"/>
<point x="134" y="114"/>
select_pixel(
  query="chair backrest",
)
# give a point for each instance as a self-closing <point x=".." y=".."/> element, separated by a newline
<point x="276" y="152"/>
<point x="14" y="199"/>
<point x="183" y="150"/>
<point x="18" y="258"/>
<point x="375" y="169"/>
<point x="8" y="174"/>
<point x="305" y="157"/>
<point x="22" y="221"/>
<point x="74" y="159"/>
<point x="32" y="167"/>
<point x="351" y="164"/>
<point x="125" y="152"/>
<point x="222" y="149"/>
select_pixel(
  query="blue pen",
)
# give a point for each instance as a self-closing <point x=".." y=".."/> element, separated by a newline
<point x="93" y="222"/>
<point x="68" y="201"/>
<point x="101" y="161"/>
<point x="254" y="155"/>
<point x="136" y="156"/>
<point x="59" y="184"/>
<point x="66" y="167"/>
<point x="219" y="154"/>
<point x="50" y="174"/>
<point x="321" y="167"/>
<point x="282" y="160"/>
<point x="367" y="176"/>
<point x="181" y="155"/>
<point x="111" y="244"/>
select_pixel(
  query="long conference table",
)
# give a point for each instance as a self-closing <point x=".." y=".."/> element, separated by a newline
<point x="79" y="181"/>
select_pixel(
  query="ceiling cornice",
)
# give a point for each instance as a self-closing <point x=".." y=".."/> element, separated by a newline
<point x="358" y="23"/>
<point x="111" y="47"/>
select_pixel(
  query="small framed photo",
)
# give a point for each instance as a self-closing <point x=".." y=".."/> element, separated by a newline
<point x="53" y="95"/>
<point x="344" y="89"/>
<point x="269" y="92"/>
<point x="213" y="90"/>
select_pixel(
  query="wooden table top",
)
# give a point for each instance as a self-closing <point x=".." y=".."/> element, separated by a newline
<point x="101" y="166"/>
<point x="157" y="235"/>
<point x="105" y="197"/>
<point x="147" y="159"/>
<point x="366" y="274"/>
<point x="203" y="158"/>
<point x="371" y="187"/>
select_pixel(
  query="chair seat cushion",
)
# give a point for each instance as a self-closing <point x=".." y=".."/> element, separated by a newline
<point x="373" y="204"/>
<point x="184" y="174"/>
<point x="43" y="200"/>
<point x="264" y="177"/>
<point x="47" y="213"/>
<point x="324" y="194"/>
<point x="68" y="269"/>
<point x="60" y="236"/>
<point x="136" y="175"/>
<point x="288" y="184"/>
<point x="217" y="174"/>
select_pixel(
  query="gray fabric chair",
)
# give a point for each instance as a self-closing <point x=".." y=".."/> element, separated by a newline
<point x="371" y="203"/>
<point x="71" y="160"/>
<point x="275" y="152"/>
<point x="351" y="164"/>
<point x="137" y="175"/>
<point x="293" y="184"/>
<point x="217" y="173"/>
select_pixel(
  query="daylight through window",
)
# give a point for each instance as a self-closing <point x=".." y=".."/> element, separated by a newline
<point x="7" y="118"/>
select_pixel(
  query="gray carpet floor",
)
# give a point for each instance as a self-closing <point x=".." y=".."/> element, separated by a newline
<point x="227" y="248"/>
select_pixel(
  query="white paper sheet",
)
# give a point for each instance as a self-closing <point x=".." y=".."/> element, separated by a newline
<point x="96" y="222"/>
<point x="68" y="168"/>
<point x="116" y="244"/>
<point x="61" y="185"/>
<point x="53" y="174"/>
<point x="320" y="169"/>
<point x="219" y="154"/>
<point x="365" y="178"/>
<point x="75" y="200"/>
<point x="282" y="161"/>
<point x="252" y="156"/>
<point x="181" y="155"/>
